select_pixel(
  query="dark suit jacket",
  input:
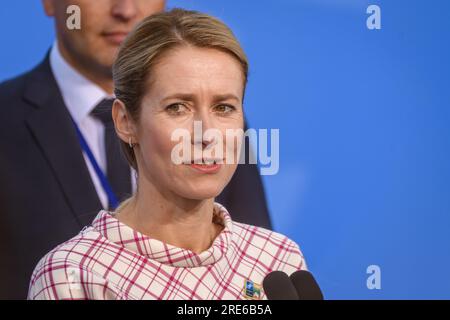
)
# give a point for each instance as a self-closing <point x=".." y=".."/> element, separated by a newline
<point x="46" y="193"/>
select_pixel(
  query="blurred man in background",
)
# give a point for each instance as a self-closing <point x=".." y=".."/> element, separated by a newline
<point x="60" y="160"/>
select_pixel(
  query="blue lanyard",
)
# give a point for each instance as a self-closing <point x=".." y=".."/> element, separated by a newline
<point x="112" y="198"/>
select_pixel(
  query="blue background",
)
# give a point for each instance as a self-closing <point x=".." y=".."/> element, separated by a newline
<point x="364" y="130"/>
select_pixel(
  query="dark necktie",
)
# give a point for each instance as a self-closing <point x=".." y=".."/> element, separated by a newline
<point x="117" y="167"/>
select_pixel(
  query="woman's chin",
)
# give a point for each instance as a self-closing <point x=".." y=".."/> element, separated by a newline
<point x="201" y="193"/>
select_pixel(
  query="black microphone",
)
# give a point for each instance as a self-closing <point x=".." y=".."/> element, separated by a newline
<point x="306" y="286"/>
<point x="278" y="286"/>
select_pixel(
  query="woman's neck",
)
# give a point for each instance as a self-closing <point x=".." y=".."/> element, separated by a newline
<point x="174" y="220"/>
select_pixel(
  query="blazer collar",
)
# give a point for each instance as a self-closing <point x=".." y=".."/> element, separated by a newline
<point x="50" y="123"/>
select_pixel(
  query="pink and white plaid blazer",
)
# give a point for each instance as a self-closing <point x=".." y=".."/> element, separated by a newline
<point x="109" y="260"/>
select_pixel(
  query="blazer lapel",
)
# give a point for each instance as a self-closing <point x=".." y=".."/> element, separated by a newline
<point x="50" y="123"/>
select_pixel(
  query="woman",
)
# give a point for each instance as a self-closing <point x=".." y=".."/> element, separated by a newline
<point x="170" y="240"/>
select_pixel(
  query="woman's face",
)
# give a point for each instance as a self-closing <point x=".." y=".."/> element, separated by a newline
<point x="189" y="85"/>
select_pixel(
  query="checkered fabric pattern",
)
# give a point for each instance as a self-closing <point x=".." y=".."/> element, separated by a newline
<point x="109" y="260"/>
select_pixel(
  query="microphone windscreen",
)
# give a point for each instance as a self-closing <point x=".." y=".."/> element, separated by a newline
<point x="278" y="286"/>
<point x="306" y="286"/>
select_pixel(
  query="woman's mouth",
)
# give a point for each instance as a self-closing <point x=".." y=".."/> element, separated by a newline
<point x="206" y="166"/>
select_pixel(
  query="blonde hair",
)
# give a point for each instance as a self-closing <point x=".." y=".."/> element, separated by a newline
<point x="156" y="35"/>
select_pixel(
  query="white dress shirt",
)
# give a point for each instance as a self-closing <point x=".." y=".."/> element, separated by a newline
<point x="80" y="96"/>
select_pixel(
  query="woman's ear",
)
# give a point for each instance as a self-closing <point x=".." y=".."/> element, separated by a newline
<point x="125" y="126"/>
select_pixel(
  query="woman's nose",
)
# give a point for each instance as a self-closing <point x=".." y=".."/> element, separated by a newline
<point x="202" y="123"/>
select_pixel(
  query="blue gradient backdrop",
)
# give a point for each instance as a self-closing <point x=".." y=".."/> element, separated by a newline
<point x="364" y="125"/>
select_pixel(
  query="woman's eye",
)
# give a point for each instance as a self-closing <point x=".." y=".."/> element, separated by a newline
<point x="176" y="108"/>
<point x="224" y="108"/>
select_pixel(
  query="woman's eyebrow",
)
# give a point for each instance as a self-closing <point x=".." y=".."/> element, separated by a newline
<point x="181" y="96"/>
<point x="192" y="97"/>
<point x="227" y="96"/>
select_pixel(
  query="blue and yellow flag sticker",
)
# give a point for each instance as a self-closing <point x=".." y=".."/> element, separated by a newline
<point x="252" y="290"/>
